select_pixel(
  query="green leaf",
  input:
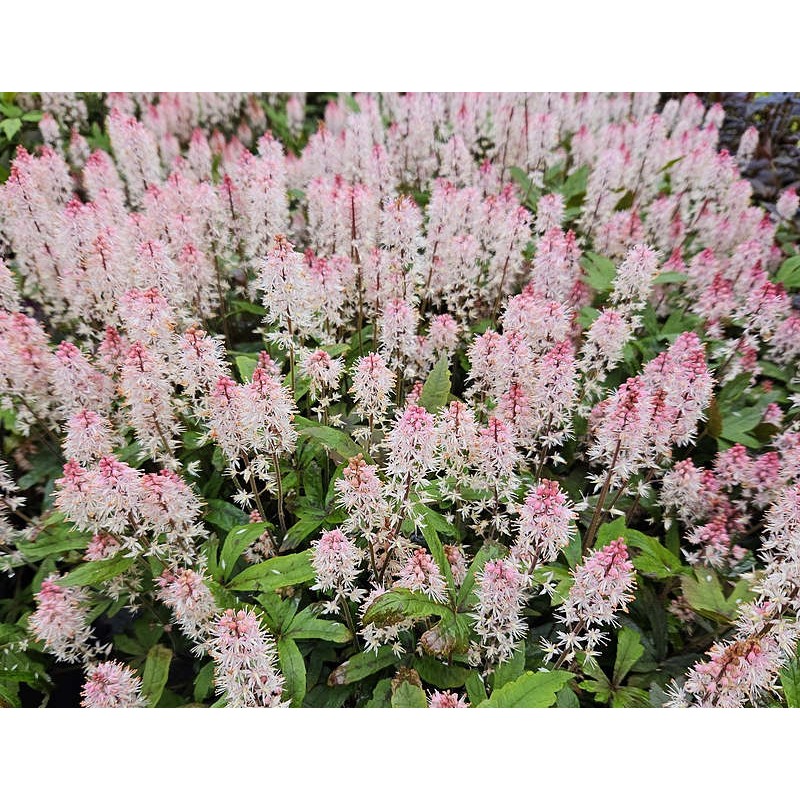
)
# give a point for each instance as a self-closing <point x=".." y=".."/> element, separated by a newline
<point x="278" y="611"/>
<point x="671" y="163"/>
<point x="276" y="573"/>
<point x="148" y="631"/>
<point x="714" y="425"/>
<point x="601" y="688"/>
<point x="352" y="104"/>
<point x="790" y="681"/>
<point x="653" y="559"/>
<point x="575" y="185"/>
<point x="193" y="440"/>
<point x="204" y="682"/>
<point x="399" y="604"/>
<point x="44" y="466"/>
<point x="224" y="515"/>
<point x="301" y="530"/>
<point x="95" y="573"/>
<point x="625" y="202"/>
<point x="735" y="424"/>
<point x="210" y="550"/>
<point x="630" y="697"/>
<point x="436" y="390"/>
<point x="435" y="545"/>
<point x="310" y="520"/>
<point x="236" y="542"/>
<point x="529" y="192"/>
<point x="19" y="676"/>
<point x="733" y="390"/>
<point x="247" y="307"/>
<point x="531" y="690"/>
<point x="600" y="271"/>
<point x="10" y="127"/>
<point x="592" y="668"/>
<point x="771" y="370"/>
<point x="382" y="694"/>
<point x="333" y="438"/>
<point x="222" y="597"/>
<point x="574" y="550"/>
<point x="156" y="672"/>
<point x="704" y="594"/>
<point x="306" y="626"/>
<point x="436" y="521"/>
<point x="629" y="650"/>
<point x="294" y="671"/>
<point x="649" y="556"/>
<point x="509" y="670"/>
<point x="789" y="273"/>
<point x="442" y="676"/>
<point x="246" y="366"/>
<point x="129" y="646"/>
<point x="362" y="665"/>
<point x="59" y="540"/>
<point x="671" y="277"/>
<point x="519" y="176"/>
<point x="677" y="322"/>
<point x="408" y="695"/>
<point x="554" y="174"/>
<point x="739" y="438"/>
<point x="476" y="691"/>
<point x="9" y="696"/>
<point x="566" y="698"/>
<point x="11" y="633"/>
<point x="312" y="481"/>
<point x="649" y="605"/>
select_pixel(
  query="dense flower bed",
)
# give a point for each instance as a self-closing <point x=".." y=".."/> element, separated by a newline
<point x="398" y="400"/>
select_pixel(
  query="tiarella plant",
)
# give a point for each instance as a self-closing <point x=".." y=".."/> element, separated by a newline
<point x="409" y="400"/>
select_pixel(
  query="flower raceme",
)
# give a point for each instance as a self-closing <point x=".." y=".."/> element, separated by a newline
<point x="501" y="595"/>
<point x="60" y="620"/>
<point x="245" y="664"/>
<point x="336" y="564"/>
<point x="411" y="445"/>
<point x="186" y="594"/>
<point x="546" y="524"/>
<point x="421" y="574"/>
<point x="112" y="685"/>
<point x="602" y="586"/>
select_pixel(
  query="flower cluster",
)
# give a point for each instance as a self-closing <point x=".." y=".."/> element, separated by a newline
<point x="354" y="401"/>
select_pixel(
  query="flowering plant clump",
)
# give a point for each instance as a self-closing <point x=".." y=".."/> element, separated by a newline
<point x="408" y="400"/>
